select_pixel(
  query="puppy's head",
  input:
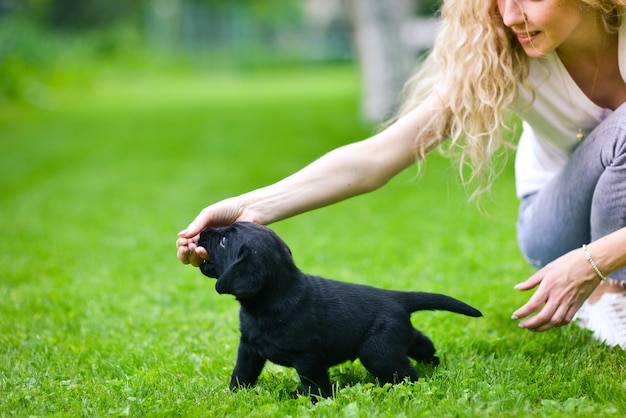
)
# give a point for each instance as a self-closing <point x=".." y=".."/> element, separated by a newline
<point x="244" y="257"/>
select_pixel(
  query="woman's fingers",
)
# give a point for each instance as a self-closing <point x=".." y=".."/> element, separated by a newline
<point x="197" y="256"/>
<point x="533" y="305"/>
<point x="531" y="282"/>
<point x="186" y="250"/>
<point x="190" y="253"/>
<point x="550" y="317"/>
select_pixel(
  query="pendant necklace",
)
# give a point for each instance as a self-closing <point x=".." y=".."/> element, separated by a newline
<point x="580" y="135"/>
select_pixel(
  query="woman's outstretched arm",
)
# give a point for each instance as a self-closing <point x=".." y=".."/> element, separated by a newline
<point x="345" y="172"/>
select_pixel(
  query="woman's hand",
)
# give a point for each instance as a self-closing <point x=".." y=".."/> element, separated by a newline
<point x="219" y="214"/>
<point x="189" y="252"/>
<point x="564" y="285"/>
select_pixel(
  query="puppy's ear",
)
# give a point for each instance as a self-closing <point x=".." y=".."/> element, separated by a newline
<point x="243" y="278"/>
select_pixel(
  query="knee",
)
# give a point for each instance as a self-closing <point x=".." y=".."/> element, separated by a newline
<point x="532" y="248"/>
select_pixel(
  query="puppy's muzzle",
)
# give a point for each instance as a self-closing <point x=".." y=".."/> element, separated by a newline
<point x="208" y="268"/>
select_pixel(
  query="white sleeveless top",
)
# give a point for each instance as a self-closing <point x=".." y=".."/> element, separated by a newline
<point x="550" y="125"/>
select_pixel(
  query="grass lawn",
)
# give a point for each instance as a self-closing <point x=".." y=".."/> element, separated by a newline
<point x="98" y="317"/>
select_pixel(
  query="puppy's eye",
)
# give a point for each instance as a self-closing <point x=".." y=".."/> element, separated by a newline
<point x="223" y="241"/>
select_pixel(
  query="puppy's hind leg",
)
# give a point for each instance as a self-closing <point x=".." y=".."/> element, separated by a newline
<point x="422" y="349"/>
<point x="247" y="368"/>
<point x="388" y="362"/>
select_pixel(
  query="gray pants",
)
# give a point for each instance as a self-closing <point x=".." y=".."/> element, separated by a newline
<point x="584" y="202"/>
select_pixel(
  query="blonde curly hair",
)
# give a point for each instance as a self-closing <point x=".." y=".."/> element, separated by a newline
<point x="477" y="66"/>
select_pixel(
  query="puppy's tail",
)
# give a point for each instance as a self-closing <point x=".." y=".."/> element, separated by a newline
<point x="423" y="301"/>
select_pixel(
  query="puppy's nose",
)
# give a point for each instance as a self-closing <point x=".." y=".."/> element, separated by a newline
<point x="207" y="260"/>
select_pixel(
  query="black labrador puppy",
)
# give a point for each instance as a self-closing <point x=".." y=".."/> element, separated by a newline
<point x="310" y="323"/>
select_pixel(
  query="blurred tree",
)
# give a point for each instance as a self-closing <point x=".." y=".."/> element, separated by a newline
<point x="386" y="61"/>
<point x="81" y="14"/>
<point x="242" y="31"/>
<point x="265" y="11"/>
<point x="427" y="7"/>
<point x="76" y="14"/>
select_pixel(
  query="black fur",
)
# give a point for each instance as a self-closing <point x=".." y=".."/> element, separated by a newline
<point x="310" y="323"/>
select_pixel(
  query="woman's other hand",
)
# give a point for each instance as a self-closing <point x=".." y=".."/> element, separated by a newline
<point x="563" y="286"/>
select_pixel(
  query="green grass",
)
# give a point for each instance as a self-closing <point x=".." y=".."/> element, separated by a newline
<point x="98" y="318"/>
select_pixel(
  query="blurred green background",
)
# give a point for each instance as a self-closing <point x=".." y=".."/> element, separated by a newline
<point x="50" y="44"/>
<point x="120" y="120"/>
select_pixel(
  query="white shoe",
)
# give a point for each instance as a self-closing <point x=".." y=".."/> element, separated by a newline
<point x="606" y="318"/>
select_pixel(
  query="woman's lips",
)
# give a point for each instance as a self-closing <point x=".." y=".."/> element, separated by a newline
<point x="526" y="37"/>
